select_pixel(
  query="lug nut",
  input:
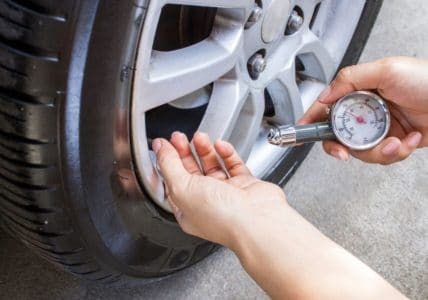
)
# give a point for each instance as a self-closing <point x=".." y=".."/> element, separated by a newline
<point x="294" y="23"/>
<point x="256" y="65"/>
<point x="255" y="16"/>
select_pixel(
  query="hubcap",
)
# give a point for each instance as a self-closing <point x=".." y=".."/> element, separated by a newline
<point x="211" y="82"/>
<point x="275" y="20"/>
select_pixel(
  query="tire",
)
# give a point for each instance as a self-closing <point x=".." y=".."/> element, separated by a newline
<point x="67" y="191"/>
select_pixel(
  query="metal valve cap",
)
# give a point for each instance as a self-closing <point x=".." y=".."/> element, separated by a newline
<point x="282" y="136"/>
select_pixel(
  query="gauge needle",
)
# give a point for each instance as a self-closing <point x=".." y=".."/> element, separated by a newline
<point x="359" y="119"/>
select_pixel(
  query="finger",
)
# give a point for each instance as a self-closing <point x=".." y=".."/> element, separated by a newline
<point x="391" y="150"/>
<point x="397" y="117"/>
<point x="232" y="161"/>
<point x="170" y="164"/>
<point x="367" y="76"/>
<point x="316" y="113"/>
<point x="336" y="150"/>
<point x="397" y="129"/>
<point x="182" y="145"/>
<point x="208" y="156"/>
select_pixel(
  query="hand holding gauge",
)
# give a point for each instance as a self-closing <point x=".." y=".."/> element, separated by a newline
<point x="359" y="120"/>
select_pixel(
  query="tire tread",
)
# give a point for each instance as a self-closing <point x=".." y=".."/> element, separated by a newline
<point x="31" y="208"/>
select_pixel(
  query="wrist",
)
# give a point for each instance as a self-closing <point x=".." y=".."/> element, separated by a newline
<point x="254" y="229"/>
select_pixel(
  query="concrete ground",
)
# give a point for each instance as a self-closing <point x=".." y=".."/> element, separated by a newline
<point x="378" y="213"/>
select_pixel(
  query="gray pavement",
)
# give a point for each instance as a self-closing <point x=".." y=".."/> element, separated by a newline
<point x="378" y="213"/>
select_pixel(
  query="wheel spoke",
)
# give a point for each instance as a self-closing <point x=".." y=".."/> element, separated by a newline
<point x="319" y="68"/>
<point x="318" y="62"/>
<point x="223" y="110"/>
<point x="178" y="73"/>
<point x="308" y="7"/>
<point x="310" y="90"/>
<point x="288" y="106"/>
<point x="174" y="74"/>
<point x="248" y="126"/>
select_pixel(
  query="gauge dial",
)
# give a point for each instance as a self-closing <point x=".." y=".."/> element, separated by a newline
<point x="360" y="120"/>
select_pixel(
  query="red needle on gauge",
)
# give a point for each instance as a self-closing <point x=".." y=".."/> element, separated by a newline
<point x="359" y="119"/>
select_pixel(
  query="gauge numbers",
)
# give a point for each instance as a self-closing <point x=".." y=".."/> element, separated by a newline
<point x="360" y="120"/>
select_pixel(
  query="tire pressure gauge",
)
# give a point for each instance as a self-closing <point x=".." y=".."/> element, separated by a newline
<point x="360" y="121"/>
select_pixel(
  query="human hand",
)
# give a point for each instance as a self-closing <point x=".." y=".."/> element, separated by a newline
<point x="208" y="203"/>
<point x="280" y="250"/>
<point x="403" y="82"/>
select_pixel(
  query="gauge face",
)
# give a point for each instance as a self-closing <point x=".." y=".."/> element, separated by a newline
<point x="360" y="120"/>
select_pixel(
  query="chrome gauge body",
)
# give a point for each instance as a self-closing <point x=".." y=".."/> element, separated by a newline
<point x="360" y="120"/>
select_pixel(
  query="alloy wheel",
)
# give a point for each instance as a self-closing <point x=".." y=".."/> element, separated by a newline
<point x="230" y="69"/>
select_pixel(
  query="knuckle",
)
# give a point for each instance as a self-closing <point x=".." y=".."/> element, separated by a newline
<point x="278" y="190"/>
<point x="391" y="60"/>
<point x="235" y="165"/>
<point x="391" y="65"/>
<point x="403" y="155"/>
<point x="345" y="74"/>
<point x="368" y="156"/>
<point x="231" y="155"/>
<point x="386" y="61"/>
<point x="399" y="157"/>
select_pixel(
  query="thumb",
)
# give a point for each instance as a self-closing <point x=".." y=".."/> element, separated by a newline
<point x="169" y="162"/>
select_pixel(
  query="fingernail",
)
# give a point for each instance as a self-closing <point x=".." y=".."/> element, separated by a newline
<point x="324" y="94"/>
<point x="156" y="145"/>
<point x="415" y="140"/>
<point x="391" y="148"/>
<point x="340" y="155"/>
<point x="221" y="142"/>
<point x="200" y="135"/>
<point x="176" y="133"/>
